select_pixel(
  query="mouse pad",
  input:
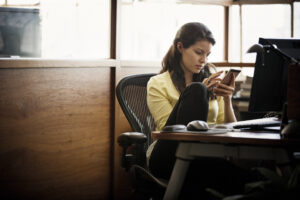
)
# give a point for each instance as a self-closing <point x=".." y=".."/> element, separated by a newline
<point x="211" y="131"/>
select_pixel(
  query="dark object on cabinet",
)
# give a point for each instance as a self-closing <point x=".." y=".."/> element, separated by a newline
<point x="20" y="32"/>
<point x="131" y="93"/>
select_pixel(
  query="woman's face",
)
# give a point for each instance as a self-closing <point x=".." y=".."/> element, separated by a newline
<point x="194" y="57"/>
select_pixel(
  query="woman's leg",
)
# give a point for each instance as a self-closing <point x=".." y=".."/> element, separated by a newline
<point x="215" y="173"/>
<point x="192" y="105"/>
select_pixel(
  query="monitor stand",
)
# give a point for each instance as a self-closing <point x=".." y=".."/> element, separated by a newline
<point x="291" y="130"/>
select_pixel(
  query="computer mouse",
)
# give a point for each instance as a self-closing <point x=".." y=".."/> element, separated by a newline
<point x="197" y="125"/>
<point x="174" y="128"/>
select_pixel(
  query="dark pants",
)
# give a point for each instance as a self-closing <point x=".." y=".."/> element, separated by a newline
<point x="216" y="173"/>
<point x="191" y="105"/>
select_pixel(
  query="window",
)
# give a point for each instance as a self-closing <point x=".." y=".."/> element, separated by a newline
<point x="71" y="28"/>
<point x="146" y="28"/>
<point x="234" y="44"/>
<point x="275" y="24"/>
<point x="149" y="27"/>
<point x="19" y="2"/>
<point x="297" y="20"/>
<point x="75" y="28"/>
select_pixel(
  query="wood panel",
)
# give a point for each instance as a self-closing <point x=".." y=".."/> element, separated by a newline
<point x="55" y="133"/>
<point x="122" y="189"/>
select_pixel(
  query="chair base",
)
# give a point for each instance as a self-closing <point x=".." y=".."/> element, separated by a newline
<point x="146" y="184"/>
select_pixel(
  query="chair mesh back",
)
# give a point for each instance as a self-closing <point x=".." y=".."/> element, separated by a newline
<point x="132" y="96"/>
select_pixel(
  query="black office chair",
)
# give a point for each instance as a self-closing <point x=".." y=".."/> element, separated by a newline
<point x="131" y="93"/>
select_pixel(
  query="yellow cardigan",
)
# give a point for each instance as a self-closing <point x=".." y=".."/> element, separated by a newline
<point x="162" y="96"/>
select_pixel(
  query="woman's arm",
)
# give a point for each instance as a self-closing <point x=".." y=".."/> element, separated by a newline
<point x="226" y="92"/>
<point x="158" y="104"/>
<point x="229" y="115"/>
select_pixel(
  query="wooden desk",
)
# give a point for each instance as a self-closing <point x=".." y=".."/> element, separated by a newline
<point x="243" y="145"/>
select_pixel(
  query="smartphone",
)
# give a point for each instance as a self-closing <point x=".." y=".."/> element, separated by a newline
<point x="227" y="78"/>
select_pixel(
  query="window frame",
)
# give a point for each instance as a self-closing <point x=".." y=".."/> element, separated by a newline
<point x="115" y="13"/>
<point x="7" y="4"/>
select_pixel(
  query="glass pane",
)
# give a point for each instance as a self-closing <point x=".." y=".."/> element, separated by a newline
<point x="148" y="28"/>
<point x="273" y="21"/>
<point x="75" y="28"/>
<point x="202" y="13"/>
<point x="297" y="20"/>
<point x="234" y="53"/>
<point x="22" y="2"/>
<point x="2" y="2"/>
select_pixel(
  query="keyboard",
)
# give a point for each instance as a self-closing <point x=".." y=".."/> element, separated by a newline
<point x="256" y="123"/>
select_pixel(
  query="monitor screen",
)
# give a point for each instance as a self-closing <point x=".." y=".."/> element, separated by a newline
<point x="269" y="85"/>
<point x="20" y="32"/>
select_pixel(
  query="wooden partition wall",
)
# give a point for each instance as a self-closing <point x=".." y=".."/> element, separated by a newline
<point x="56" y="129"/>
<point x="59" y="123"/>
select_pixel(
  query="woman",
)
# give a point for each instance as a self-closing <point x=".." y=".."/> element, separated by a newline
<point x="187" y="90"/>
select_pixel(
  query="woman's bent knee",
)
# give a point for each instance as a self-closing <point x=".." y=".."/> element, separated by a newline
<point x="196" y="89"/>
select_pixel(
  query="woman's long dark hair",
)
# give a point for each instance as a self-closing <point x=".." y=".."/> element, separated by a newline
<point x="188" y="35"/>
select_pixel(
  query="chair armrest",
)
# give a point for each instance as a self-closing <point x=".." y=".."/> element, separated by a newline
<point x="128" y="138"/>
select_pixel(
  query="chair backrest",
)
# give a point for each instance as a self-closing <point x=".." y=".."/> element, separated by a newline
<point x="131" y="93"/>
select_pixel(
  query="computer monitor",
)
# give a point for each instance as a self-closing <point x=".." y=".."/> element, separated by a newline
<point x="20" y="33"/>
<point x="269" y="85"/>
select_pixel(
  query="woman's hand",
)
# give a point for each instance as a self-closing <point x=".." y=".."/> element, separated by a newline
<point x="225" y="91"/>
<point x="212" y="80"/>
